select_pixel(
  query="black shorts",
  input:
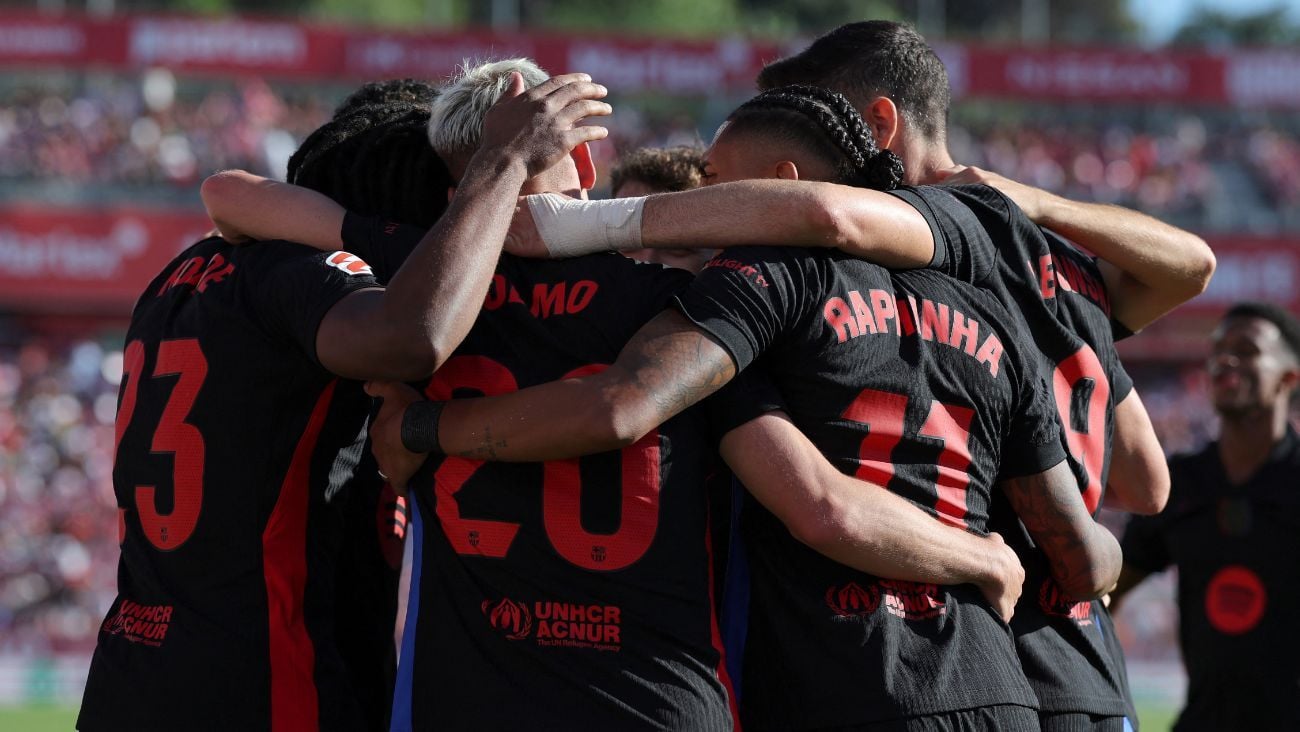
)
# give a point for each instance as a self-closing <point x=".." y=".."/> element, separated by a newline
<point x="1001" y="718"/>
<point x="1080" y="722"/>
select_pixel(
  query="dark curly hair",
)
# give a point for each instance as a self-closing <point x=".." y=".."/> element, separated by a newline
<point x="390" y="91"/>
<point x="823" y="123"/>
<point x="665" y="169"/>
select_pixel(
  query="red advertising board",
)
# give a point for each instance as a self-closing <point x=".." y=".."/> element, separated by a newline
<point x="1250" y="268"/>
<point x="92" y="262"/>
<point x="1094" y="75"/>
<point x="292" y="49"/>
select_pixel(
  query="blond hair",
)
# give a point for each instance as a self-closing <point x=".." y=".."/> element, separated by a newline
<point x="456" y="122"/>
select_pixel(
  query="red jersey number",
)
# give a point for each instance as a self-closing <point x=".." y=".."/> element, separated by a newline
<point x="1082" y="392"/>
<point x="561" y="487"/>
<point x="469" y="536"/>
<point x="173" y="435"/>
<point x="884" y="415"/>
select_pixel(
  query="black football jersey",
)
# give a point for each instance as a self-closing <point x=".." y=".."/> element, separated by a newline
<point x="1235" y="549"/>
<point x="914" y="381"/>
<point x="1059" y="297"/>
<point x="571" y="593"/>
<point x="375" y="518"/>
<point x="229" y="440"/>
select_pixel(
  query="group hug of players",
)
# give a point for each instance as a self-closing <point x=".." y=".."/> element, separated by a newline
<point x="907" y="369"/>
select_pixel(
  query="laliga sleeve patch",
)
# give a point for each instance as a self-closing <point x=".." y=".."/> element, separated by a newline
<point x="349" y="264"/>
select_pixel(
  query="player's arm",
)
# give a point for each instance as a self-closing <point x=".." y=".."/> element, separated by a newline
<point x="869" y="224"/>
<point x="669" y="365"/>
<point x="410" y="329"/>
<point x="859" y="524"/>
<point x="1149" y="266"/>
<point x="1139" y="475"/>
<point x="1083" y="555"/>
<point x="247" y="207"/>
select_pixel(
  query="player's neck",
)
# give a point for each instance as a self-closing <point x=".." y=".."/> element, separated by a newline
<point x="1246" y="440"/>
<point x="926" y="162"/>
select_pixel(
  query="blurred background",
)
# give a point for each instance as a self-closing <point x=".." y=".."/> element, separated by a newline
<point x="113" y="111"/>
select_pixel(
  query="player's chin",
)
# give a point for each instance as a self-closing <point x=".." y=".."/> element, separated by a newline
<point x="1234" y="403"/>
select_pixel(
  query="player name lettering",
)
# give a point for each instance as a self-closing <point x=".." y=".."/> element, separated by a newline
<point x="1070" y="278"/>
<point x="198" y="273"/>
<point x="855" y="316"/>
<point x="545" y="300"/>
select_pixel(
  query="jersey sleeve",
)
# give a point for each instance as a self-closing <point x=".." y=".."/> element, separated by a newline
<point x="1119" y="331"/>
<point x="1144" y="544"/>
<point x="962" y="247"/>
<point x="747" y="397"/>
<point x="383" y="244"/>
<point x="1121" y="384"/>
<point x="748" y="297"/>
<point x="1033" y="442"/>
<point x="300" y="286"/>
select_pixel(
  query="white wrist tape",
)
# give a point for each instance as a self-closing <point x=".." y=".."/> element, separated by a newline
<point x="569" y="227"/>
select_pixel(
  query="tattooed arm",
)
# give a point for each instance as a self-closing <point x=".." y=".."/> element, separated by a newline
<point x="668" y="366"/>
<point x="1084" y="556"/>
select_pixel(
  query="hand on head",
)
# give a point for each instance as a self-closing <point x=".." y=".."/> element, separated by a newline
<point x="540" y="125"/>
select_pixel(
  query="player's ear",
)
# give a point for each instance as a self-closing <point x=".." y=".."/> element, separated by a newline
<point x="451" y="194"/>
<point x="883" y="118"/>
<point x="586" y="168"/>
<point x="787" y="170"/>
<point x="1291" y="377"/>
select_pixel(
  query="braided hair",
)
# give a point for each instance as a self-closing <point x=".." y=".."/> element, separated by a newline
<point x="826" y="124"/>
<point x="376" y="160"/>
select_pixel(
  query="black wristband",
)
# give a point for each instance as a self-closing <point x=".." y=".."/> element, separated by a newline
<point x="420" y="426"/>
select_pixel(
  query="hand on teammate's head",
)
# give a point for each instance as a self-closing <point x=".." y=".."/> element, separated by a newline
<point x="540" y="126"/>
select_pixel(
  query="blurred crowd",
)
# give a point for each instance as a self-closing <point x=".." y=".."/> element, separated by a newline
<point x="150" y="131"/>
<point x="155" y="132"/>
<point x="58" y="549"/>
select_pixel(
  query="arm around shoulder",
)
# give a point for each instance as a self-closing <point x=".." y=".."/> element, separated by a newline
<point x="246" y="206"/>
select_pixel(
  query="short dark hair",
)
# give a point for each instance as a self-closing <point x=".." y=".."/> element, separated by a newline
<point x="1286" y="323"/>
<point x="376" y="161"/>
<point x="870" y="59"/>
<point x="665" y="169"/>
<point x="822" y="123"/>
<point x="390" y="91"/>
